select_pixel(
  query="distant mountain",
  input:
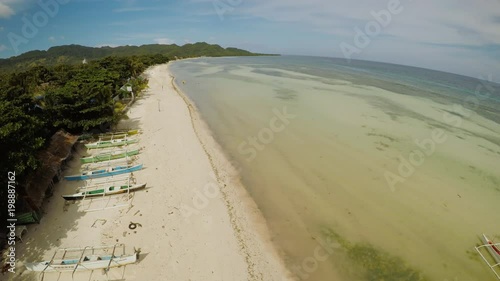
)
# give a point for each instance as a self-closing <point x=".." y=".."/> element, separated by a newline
<point x="72" y="54"/>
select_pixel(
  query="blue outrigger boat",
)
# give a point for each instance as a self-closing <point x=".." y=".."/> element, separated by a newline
<point x="111" y="171"/>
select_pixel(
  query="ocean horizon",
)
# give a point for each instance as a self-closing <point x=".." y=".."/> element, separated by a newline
<point x="392" y="166"/>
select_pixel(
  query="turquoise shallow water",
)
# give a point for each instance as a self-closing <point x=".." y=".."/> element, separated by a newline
<point x="394" y="167"/>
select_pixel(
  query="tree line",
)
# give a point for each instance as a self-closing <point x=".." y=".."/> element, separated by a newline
<point x="74" y="54"/>
<point x="36" y="103"/>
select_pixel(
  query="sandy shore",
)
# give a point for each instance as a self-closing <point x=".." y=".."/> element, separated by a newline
<point x="197" y="222"/>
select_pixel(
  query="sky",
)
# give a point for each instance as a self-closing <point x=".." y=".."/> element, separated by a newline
<point x="458" y="36"/>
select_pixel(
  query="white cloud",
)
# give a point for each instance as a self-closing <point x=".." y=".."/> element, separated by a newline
<point x="5" y="11"/>
<point x="164" y="41"/>
<point x="3" y="48"/>
<point x="106" y="45"/>
<point x="451" y="35"/>
<point x="440" y="22"/>
<point x="12" y="7"/>
<point x="55" y="38"/>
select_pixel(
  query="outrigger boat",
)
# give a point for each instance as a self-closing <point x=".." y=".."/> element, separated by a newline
<point x="111" y="143"/>
<point x="109" y="136"/>
<point x="108" y="150"/>
<point x="494" y="250"/>
<point x="86" y="260"/>
<point x="111" y="171"/>
<point x="108" y="156"/>
<point x="116" y="180"/>
<point x="108" y="164"/>
<point x="110" y="190"/>
<point x="118" y="135"/>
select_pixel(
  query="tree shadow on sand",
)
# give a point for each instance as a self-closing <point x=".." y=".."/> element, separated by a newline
<point x="54" y="226"/>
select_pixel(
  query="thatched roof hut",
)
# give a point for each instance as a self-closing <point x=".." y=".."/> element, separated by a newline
<point x="52" y="159"/>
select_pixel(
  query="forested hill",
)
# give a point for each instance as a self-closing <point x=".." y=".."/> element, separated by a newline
<point x="72" y="54"/>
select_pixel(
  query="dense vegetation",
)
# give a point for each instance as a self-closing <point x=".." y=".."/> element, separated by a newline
<point x="75" y="54"/>
<point x="35" y="103"/>
<point x="74" y="88"/>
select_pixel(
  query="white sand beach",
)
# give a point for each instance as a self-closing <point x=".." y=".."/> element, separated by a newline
<point x="196" y="221"/>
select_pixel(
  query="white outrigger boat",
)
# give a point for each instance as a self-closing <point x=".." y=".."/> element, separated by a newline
<point x="109" y="136"/>
<point x="88" y="259"/>
<point x="104" y="191"/>
<point x="494" y="250"/>
<point x="102" y="173"/>
<point x="107" y="164"/>
<point x="111" y="143"/>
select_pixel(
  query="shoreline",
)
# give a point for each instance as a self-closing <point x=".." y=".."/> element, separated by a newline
<point x="249" y="217"/>
<point x="325" y="176"/>
<point x="222" y="240"/>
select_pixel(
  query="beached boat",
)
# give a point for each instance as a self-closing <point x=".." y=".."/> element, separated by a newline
<point x="111" y="143"/>
<point x="118" y="135"/>
<point x="125" y="178"/>
<point x="108" y="156"/>
<point x="110" y="190"/>
<point x="108" y="150"/>
<point x="111" y="171"/>
<point x="108" y="164"/>
<point x="109" y="136"/>
<point x="90" y="261"/>
<point x="493" y="248"/>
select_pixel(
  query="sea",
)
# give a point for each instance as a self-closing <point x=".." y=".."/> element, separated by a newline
<point x="363" y="170"/>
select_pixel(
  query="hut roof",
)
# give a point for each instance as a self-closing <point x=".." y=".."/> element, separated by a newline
<point x="51" y="160"/>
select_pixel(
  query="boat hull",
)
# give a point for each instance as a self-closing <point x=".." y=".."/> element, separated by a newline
<point x="103" y="263"/>
<point x="492" y="248"/>
<point x="120" y="135"/>
<point x="102" y="173"/>
<point x="100" y="158"/>
<point x="102" y="192"/>
<point x="109" y="136"/>
<point x="111" y="143"/>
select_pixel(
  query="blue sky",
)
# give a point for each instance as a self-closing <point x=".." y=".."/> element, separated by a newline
<point x="459" y="36"/>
